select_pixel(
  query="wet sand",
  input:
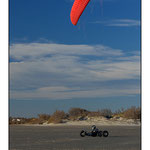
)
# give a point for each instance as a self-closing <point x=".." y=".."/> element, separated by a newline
<point x="68" y="138"/>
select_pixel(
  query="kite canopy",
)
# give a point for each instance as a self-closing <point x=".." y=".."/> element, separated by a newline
<point x="77" y="10"/>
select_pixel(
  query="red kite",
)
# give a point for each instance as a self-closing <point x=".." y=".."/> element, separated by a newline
<point x="77" y="10"/>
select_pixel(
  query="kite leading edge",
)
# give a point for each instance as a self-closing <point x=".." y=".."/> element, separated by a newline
<point x="77" y="10"/>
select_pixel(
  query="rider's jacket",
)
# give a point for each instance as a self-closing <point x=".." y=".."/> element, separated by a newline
<point x="94" y="131"/>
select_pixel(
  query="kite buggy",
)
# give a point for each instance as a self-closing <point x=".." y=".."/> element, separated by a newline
<point x="95" y="132"/>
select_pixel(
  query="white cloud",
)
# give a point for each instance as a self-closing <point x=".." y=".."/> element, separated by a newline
<point x="119" y="23"/>
<point x="59" y="71"/>
<point x="69" y="93"/>
<point x="39" y="50"/>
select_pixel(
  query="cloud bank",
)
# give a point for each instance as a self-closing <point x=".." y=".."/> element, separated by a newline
<point x="58" y="71"/>
<point x="120" y="23"/>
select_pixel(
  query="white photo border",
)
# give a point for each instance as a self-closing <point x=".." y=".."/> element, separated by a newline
<point x="4" y="103"/>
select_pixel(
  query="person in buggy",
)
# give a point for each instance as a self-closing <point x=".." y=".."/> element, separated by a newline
<point x="95" y="132"/>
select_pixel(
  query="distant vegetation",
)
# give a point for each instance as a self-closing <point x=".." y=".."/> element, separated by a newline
<point x="78" y="114"/>
<point x="57" y="117"/>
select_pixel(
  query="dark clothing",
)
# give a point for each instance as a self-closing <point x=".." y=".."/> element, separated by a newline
<point x="94" y="132"/>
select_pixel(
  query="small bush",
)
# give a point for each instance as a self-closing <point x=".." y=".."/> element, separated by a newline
<point x="57" y="117"/>
<point x="132" y="113"/>
<point x="74" y="113"/>
<point x="43" y="117"/>
<point x="94" y="114"/>
<point x="32" y="121"/>
<point x="119" y="112"/>
<point x="106" y="113"/>
<point x="10" y="120"/>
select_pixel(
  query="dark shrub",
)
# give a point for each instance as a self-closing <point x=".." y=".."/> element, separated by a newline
<point x="94" y="114"/>
<point x="132" y="113"/>
<point x="77" y="112"/>
<point x="43" y="116"/>
<point x="57" y="117"/>
<point x="106" y="113"/>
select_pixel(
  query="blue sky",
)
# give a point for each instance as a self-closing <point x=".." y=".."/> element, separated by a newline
<point x="93" y="65"/>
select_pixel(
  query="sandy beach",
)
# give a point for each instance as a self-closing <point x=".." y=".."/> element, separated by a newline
<point x="68" y="138"/>
<point x="94" y="121"/>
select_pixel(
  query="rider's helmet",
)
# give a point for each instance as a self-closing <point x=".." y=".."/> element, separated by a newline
<point x="93" y="127"/>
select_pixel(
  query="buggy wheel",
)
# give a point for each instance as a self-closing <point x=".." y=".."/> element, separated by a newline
<point x="82" y="133"/>
<point x="105" y="133"/>
<point x="100" y="133"/>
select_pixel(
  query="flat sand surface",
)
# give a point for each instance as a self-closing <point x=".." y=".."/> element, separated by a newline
<point x="68" y="138"/>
